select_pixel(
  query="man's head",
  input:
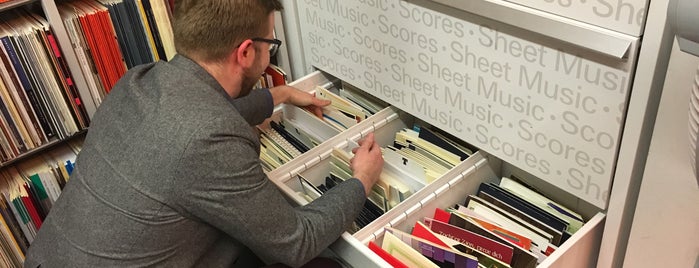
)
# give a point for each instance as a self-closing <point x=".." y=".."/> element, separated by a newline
<point x="208" y="30"/>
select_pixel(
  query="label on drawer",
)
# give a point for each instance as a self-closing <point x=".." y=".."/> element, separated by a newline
<point x="547" y="111"/>
<point x="625" y="16"/>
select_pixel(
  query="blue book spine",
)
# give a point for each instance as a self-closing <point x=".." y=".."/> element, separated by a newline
<point x="28" y="88"/>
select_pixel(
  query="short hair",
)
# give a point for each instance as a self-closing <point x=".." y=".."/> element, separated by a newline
<point x="208" y="30"/>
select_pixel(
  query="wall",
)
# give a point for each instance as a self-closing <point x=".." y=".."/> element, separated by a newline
<point x="666" y="223"/>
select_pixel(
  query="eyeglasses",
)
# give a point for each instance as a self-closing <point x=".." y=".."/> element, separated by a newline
<point x="273" y="44"/>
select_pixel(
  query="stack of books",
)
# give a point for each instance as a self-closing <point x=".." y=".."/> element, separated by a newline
<point x="272" y="77"/>
<point x="416" y="158"/>
<point x="503" y="225"/>
<point x="283" y="139"/>
<point x="38" y="101"/>
<point x="27" y="193"/>
<point x="111" y="36"/>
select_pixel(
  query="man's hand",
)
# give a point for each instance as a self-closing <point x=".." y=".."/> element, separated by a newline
<point x="367" y="162"/>
<point x="294" y="96"/>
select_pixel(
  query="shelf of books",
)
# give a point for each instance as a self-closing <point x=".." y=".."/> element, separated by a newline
<point x="54" y="75"/>
<point x="10" y="4"/>
<point x="39" y="104"/>
<point x="28" y="189"/>
<point x="58" y="60"/>
<point x="109" y="37"/>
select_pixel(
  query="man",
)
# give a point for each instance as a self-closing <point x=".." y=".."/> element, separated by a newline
<point x="169" y="174"/>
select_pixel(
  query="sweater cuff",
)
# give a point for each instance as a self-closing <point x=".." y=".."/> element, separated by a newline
<point x="359" y="185"/>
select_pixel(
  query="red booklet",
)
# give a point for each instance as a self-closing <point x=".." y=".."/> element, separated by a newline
<point x="478" y="242"/>
<point x="277" y="74"/>
<point x="31" y="209"/>
<point x="441" y="215"/>
<point x="386" y="256"/>
<point x="513" y="237"/>
<point x="422" y="231"/>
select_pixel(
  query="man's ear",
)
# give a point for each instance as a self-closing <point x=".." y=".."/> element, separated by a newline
<point x="245" y="54"/>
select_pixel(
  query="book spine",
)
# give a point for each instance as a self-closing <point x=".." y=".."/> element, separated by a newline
<point x="52" y="188"/>
<point x="138" y="31"/>
<point x="73" y="96"/>
<point x="32" y="208"/>
<point x="152" y="50"/>
<point x="87" y="64"/>
<point x="30" y="55"/>
<point x="34" y="197"/>
<point x="12" y="124"/>
<point x="154" y="29"/>
<point x="108" y="36"/>
<point x="24" y="117"/>
<point x="92" y="48"/>
<point x="120" y="33"/>
<point x="12" y="253"/>
<point x="22" y="219"/>
<point x="14" y="225"/>
<point x="28" y="89"/>
<point x="5" y="125"/>
<point x="32" y="211"/>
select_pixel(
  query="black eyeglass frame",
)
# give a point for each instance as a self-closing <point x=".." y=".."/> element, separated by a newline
<point x="274" y="44"/>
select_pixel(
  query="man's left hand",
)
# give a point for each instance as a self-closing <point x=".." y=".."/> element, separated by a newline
<point x="294" y="96"/>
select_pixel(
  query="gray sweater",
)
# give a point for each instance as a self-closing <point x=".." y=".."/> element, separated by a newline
<point x="169" y="175"/>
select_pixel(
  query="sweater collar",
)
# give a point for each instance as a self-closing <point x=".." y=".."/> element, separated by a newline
<point x="195" y="69"/>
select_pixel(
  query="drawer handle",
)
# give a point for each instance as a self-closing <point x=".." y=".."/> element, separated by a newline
<point x="603" y="41"/>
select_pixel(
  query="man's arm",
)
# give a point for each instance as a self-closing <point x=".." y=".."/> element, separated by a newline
<point x="230" y="191"/>
<point x="256" y="106"/>
<point x="259" y="104"/>
<point x="292" y="95"/>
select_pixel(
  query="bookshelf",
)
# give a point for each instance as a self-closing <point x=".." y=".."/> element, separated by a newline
<point x="51" y="12"/>
<point x="90" y="72"/>
<point x="47" y="99"/>
<point x="15" y="3"/>
<point x="68" y="72"/>
<point x="89" y="97"/>
<point x="41" y="149"/>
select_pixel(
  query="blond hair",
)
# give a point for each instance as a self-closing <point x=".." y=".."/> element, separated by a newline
<point x="209" y="30"/>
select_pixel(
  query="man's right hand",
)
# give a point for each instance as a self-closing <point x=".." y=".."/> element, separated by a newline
<point x="367" y="162"/>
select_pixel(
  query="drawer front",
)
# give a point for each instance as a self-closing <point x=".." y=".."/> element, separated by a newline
<point x="310" y="81"/>
<point x="625" y="16"/>
<point x="582" y="249"/>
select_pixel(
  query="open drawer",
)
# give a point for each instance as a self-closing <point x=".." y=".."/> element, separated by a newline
<point x="291" y="127"/>
<point x="580" y="250"/>
<point x="315" y="166"/>
<point x="292" y="130"/>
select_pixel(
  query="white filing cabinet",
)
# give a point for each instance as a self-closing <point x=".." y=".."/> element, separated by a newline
<point x="450" y="189"/>
<point x="559" y="93"/>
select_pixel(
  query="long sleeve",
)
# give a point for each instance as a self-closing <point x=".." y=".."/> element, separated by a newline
<point x="169" y="176"/>
<point x="230" y="191"/>
<point x="256" y="106"/>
